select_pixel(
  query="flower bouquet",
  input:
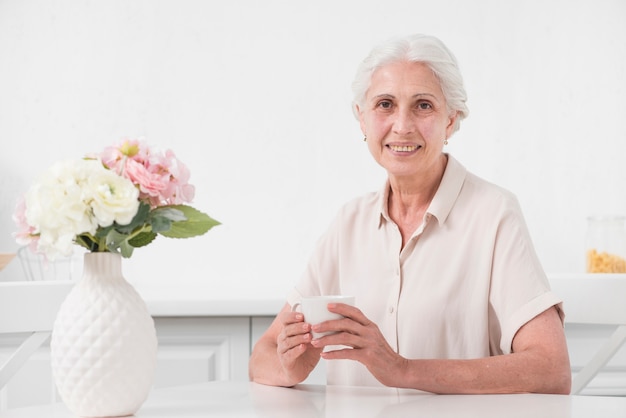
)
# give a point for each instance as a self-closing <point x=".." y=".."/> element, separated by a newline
<point x="114" y="201"/>
<point x="104" y="346"/>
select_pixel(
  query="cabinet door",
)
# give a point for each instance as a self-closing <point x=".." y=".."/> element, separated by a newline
<point x="32" y="384"/>
<point x="584" y="341"/>
<point x="259" y="325"/>
<point x="199" y="349"/>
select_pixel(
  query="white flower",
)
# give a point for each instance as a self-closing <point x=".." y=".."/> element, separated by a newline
<point x="115" y="198"/>
<point x="74" y="198"/>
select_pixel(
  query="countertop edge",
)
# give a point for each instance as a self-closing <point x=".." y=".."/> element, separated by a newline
<point x="213" y="307"/>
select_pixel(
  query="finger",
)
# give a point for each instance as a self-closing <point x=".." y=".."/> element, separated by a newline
<point x="292" y="352"/>
<point x="345" y="339"/>
<point x="292" y="318"/>
<point x="295" y="352"/>
<point x="297" y="328"/>
<point x="341" y="354"/>
<point x="292" y="336"/>
<point x="349" y="311"/>
<point x="345" y="325"/>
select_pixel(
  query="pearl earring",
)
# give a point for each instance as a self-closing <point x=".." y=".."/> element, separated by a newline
<point x="445" y="141"/>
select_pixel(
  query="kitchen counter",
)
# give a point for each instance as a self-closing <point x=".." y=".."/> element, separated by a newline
<point x="580" y="291"/>
<point x="198" y="301"/>
<point x="592" y="298"/>
<point x="606" y="291"/>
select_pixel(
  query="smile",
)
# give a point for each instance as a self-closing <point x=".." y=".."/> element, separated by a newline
<point x="403" y="148"/>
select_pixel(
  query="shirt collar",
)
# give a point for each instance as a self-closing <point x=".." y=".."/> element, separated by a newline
<point x="443" y="201"/>
<point x="448" y="191"/>
<point x="383" y="198"/>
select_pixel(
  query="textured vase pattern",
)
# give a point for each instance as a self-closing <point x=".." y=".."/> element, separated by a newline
<point x="103" y="343"/>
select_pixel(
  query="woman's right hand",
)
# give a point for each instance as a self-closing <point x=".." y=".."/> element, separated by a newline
<point x="296" y="354"/>
<point x="283" y="355"/>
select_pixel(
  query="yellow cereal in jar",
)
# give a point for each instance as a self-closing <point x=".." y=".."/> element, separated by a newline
<point x="603" y="262"/>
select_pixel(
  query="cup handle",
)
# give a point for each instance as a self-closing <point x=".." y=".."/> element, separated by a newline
<point x="295" y="307"/>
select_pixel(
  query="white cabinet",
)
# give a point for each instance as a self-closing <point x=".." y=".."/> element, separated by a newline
<point x="32" y="384"/>
<point x="584" y="341"/>
<point x="191" y="349"/>
<point x="258" y="326"/>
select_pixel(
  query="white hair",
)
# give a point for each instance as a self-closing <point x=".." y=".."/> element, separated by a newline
<point x="415" y="48"/>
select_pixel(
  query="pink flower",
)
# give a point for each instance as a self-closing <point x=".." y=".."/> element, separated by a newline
<point x="150" y="180"/>
<point x="162" y="179"/>
<point x="178" y="189"/>
<point x="116" y="157"/>
<point x="25" y="234"/>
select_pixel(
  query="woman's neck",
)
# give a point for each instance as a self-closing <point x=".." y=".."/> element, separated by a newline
<point x="409" y="198"/>
<point x="414" y="193"/>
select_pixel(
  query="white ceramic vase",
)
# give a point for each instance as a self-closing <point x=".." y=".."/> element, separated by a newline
<point x="103" y="343"/>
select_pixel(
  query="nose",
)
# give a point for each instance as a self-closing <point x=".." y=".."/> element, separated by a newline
<point x="404" y="122"/>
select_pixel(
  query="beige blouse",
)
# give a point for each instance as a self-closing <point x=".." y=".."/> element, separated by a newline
<point x="461" y="288"/>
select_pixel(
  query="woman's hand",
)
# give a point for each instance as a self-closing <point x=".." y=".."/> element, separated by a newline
<point x="367" y="344"/>
<point x="297" y="357"/>
<point x="538" y="362"/>
<point x="283" y="356"/>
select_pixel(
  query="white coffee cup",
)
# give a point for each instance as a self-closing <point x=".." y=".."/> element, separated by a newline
<point x="315" y="309"/>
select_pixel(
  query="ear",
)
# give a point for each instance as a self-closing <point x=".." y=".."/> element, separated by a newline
<point x="451" y="121"/>
<point x="359" y="113"/>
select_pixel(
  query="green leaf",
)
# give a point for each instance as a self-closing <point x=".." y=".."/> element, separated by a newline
<point x="103" y="232"/>
<point x="196" y="223"/>
<point x="142" y="239"/>
<point x="126" y="249"/>
<point x="160" y="224"/>
<point x="139" y="219"/>
<point x="114" y="239"/>
<point x="169" y="212"/>
<point x="161" y="218"/>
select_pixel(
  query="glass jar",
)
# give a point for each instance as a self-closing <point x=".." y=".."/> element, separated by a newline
<point x="606" y="244"/>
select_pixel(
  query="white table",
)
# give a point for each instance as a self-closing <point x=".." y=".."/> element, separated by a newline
<point x="243" y="399"/>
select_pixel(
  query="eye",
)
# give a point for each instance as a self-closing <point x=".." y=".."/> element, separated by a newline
<point x="424" y="106"/>
<point x="384" y="104"/>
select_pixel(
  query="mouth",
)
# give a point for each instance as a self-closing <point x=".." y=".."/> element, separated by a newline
<point x="403" y="148"/>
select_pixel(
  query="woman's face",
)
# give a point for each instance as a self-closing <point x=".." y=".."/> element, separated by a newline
<point x="405" y="119"/>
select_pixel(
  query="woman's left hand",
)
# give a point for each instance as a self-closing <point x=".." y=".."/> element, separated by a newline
<point x="366" y="342"/>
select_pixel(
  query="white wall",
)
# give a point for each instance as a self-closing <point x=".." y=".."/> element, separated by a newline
<point x="254" y="96"/>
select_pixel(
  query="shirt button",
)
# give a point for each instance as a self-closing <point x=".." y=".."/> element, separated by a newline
<point x="391" y="309"/>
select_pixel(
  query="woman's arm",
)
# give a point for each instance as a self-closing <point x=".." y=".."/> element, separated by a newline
<point x="539" y="361"/>
<point x="283" y="356"/>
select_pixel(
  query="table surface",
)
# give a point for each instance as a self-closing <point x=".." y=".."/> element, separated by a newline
<point x="245" y="399"/>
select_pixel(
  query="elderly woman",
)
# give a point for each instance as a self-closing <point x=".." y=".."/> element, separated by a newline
<point x="450" y="295"/>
